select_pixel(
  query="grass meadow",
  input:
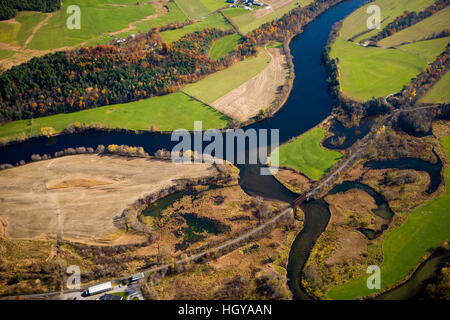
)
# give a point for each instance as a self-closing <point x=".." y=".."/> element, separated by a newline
<point x="425" y="28"/>
<point x="428" y="50"/>
<point x="4" y="54"/>
<point x="213" y="5"/>
<point x="193" y="9"/>
<point x="367" y="72"/>
<point x="215" y="20"/>
<point x="17" y="33"/>
<point x="174" y="14"/>
<point x="440" y="92"/>
<point x="246" y="20"/>
<point x="357" y="21"/>
<point x="403" y="248"/>
<point x="167" y="113"/>
<point x="306" y="154"/>
<point x="97" y="17"/>
<point x="223" y="46"/>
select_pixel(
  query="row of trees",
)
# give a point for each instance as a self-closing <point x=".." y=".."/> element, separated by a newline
<point x="9" y="8"/>
<point x="331" y="64"/>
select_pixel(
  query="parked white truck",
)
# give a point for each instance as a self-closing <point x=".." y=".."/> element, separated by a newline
<point x="99" y="288"/>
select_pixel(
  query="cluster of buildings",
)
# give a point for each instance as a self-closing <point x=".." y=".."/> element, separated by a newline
<point x="246" y="3"/>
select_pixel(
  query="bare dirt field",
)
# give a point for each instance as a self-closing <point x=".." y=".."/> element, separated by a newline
<point x="258" y="93"/>
<point x="80" y="195"/>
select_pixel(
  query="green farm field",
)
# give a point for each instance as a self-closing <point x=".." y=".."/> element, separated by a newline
<point x="220" y="83"/>
<point x="215" y="20"/>
<point x="425" y="28"/>
<point x="195" y="9"/>
<point x="306" y="154"/>
<point x="403" y="248"/>
<point x="367" y="72"/>
<point x="224" y="45"/>
<point x="247" y="20"/>
<point x="440" y="92"/>
<point x="174" y="14"/>
<point x="428" y="49"/>
<point x="357" y="21"/>
<point x="97" y="18"/>
<point x="17" y="33"/>
<point x="167" y="113"/>
<point x="213" y="5"/>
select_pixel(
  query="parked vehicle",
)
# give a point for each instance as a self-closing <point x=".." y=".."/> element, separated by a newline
<point x="99" y="288"/>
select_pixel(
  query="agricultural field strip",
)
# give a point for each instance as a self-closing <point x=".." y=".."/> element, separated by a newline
<point x="137" y="115"/>
<point x="247" y="20"/>
<point x="258" y="93"/>
<point x="371" y="71"/>
<point x="223" y="46"/>
<point x="440" y="92"/>
<point x="367" y="72"/>
<point x="306" y="154"/>
<point x="220" y="83"/>
<point x="426" y="49"/>
<point x="49" y="19"/>
<point x="199" y="9"/>
<point x="356" y="22"/>
<point x="425" y="28"/>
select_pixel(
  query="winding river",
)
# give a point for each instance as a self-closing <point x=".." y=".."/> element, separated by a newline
<point x="308" y="104"/>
